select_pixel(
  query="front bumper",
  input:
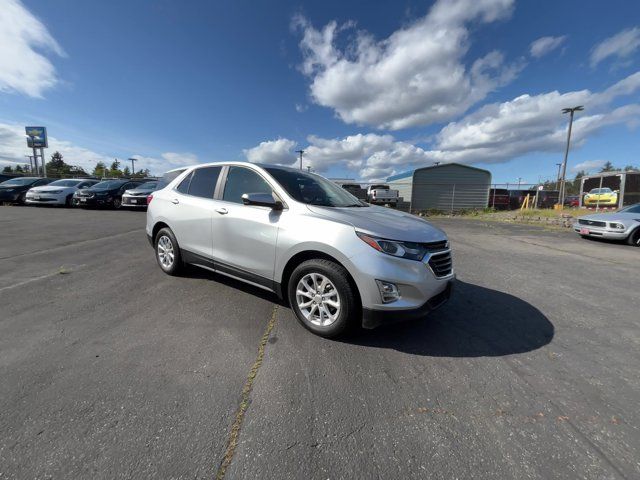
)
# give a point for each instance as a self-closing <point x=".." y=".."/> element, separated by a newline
<point x="131" y="201"/>
<point x="45" y="199"/>
<point x="603" y="202"/>
<point x="600" y="232"/>
<point x="373" y="318"/>
<point x="93" y="201"/>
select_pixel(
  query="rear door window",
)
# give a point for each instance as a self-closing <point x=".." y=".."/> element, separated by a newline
<point x="203" y="183"/>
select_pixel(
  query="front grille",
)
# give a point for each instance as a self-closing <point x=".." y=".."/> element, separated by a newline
<point x="434" y="247"/>
<point x="593" y="223"/>
<point x="441" y="263"/>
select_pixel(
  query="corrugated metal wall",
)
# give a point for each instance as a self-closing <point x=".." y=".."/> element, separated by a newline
<point x="449" y="187"/>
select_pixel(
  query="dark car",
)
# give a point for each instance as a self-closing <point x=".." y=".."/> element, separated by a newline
<point x="499" y="198"/>
<point x="15" y="190"/>
<point x="137" y="197"/>
<point x="107" y="193"/>
<point x="572" y="201"/>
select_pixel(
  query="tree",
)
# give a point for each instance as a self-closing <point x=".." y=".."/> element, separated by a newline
<point x="126" y="172"/>
<point x="573" y="187"/>
<point x="630" y="168"/>
<point x="100" y="170"/>
<point x="56" y="167"/>
<point x="608" y="167"/>
<point x="7" y="169"/>
<point x="18" y="169"/>
<point x="114" y="170"/>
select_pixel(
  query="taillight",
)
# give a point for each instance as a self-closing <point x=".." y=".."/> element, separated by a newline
<point x="149" y="198"/>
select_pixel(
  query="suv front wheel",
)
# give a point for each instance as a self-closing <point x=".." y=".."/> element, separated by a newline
<point x="168" y="252"/>
<point x="322" y="297"/>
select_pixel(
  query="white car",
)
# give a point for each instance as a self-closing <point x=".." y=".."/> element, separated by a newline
<point x="59" y="192"/>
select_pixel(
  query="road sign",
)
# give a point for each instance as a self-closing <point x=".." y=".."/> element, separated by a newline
<point x="36" y="137"/>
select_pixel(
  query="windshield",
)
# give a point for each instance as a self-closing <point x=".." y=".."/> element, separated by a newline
<point x="147" y="186"/>
<point x="17" y="182"/>
<point x="65" y="183"/>
<point x="313" y="189"/>
<point x="108" y="185"/>
<point x="631" y="209"/>
<point x="601" y="190"/>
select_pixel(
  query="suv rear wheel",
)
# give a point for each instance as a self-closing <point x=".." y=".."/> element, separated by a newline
<point x="168" y="252"/>
<point x="322" y="297"/>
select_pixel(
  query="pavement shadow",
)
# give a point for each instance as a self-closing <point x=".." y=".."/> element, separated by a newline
<point x="476" y="322"/>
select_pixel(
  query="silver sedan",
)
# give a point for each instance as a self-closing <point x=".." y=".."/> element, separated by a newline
<point x="621" y="225"/>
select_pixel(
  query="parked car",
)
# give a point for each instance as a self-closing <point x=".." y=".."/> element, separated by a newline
<point x="137" y="197"/>
<point x="499" y="198"/>
<point x="621" y="225"/>
<point x="355" y="190"/>
<point x="572" y="201"/>
<point x="107" y="193"/>
<point x="15" y="190"/>
<point x="338" y="261"/>
<point x="382" y="195"/>
<point x="601" y="196"/>
<point x="59" y="192"/>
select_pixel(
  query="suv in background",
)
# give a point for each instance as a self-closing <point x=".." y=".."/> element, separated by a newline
<point x="338" y="261"/>
<point x="15" y="190"/>
<point x="137" y="197"/>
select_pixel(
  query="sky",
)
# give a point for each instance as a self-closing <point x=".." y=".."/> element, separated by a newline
<point x="366" y="89"/>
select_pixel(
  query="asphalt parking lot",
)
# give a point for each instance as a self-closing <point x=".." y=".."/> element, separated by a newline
<point x="111" y="369"/>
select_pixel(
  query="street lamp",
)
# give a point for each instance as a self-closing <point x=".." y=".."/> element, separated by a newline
<point x="300" y="152"/>
<point x="563" y="189"/>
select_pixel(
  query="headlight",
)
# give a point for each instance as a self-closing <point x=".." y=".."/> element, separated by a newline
<point x="617" y="226"/>
<point x="410" y="250"/>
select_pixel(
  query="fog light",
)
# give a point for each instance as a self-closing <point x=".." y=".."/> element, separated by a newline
<point x="388" y="291"/>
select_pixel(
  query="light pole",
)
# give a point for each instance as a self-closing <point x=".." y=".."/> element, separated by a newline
<point x="558" y="176"/>
<point x="300" y="152"/>
<point x="563" y="189"/>
<point x="35" y="154"/>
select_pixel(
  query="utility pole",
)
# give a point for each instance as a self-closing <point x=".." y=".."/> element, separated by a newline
<point x="133" y="165"/>
<point x="563" y="179"/>
<point x="558" y="176"/>
<point x="300" y="152"/>
<point x="519" y="182"/>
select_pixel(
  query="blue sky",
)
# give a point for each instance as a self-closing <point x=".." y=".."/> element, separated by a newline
<point x="378" y="91"/>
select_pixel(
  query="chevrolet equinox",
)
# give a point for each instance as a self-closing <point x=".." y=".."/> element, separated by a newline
<point x="338" y="261"/>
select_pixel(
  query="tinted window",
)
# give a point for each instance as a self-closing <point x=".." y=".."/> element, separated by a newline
<point x="148" y="186"/>
<point x="204" y="180"/>
<point x="313" y="189"/>
<point x="242" y="180"/>
<point x="108" y="184"/>
<point x="45" y="181"/>
<point x="168" y="177"/>
<point x="183" y="186"/>
<point x="631" y="209"/>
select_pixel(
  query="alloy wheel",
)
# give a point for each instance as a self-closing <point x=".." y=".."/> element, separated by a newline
<point x="166" y="255"/>
<point x="318" y="299"/>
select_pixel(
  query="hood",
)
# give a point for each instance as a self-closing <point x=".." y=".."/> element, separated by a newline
<point x="383" y="222"/>
<point x="49" y="188"/>
<point x="610" y="217"/>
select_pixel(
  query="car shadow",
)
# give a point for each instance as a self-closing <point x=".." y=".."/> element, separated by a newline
<point x="476" y="322"/>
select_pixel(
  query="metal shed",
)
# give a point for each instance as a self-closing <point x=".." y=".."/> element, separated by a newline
<point x="626" y="183"/>
<point x="446" y="187"/>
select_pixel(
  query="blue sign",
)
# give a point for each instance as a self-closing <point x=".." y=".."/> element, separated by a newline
<point x="36" y="137"/>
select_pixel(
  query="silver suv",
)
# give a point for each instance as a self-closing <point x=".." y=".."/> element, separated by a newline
<point x="338" y="261"/>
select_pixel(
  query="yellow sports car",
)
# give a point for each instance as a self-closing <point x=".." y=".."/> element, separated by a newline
<point x="601" y="196"/>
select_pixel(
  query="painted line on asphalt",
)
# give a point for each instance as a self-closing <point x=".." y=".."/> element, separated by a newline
<point x="234" y="434"/>
<point x="63" y="270"/>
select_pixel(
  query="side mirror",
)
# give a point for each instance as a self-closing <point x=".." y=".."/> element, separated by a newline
<point x="261" y="200"/>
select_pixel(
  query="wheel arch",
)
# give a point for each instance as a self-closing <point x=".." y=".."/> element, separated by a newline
<point x="156" y="228"/>
<point x="303" y="256"/>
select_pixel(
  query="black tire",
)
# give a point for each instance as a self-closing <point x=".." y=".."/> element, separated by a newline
<point x="69" y="200"/>
<point x="349" y="313"/>
<point x="634" y="238"/>
<point x="176" y="266"/>
<point x="117" y="203"/>
<point x="22" y="199"/>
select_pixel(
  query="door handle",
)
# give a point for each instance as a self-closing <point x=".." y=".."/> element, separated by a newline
<point x="222" y="211"/>
<point x="175" y="201"/>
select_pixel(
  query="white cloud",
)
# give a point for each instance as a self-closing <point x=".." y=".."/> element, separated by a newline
<point x="495" y="133"/>
<point x="13" y="148"/>
<point x="23" y="40"/>
<point x="416" y="76"/>
<point x="544" y="45"/>
<point x="588" y="166"/>
<point x="278" y="152"/>
<point x="621" y="45"/>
